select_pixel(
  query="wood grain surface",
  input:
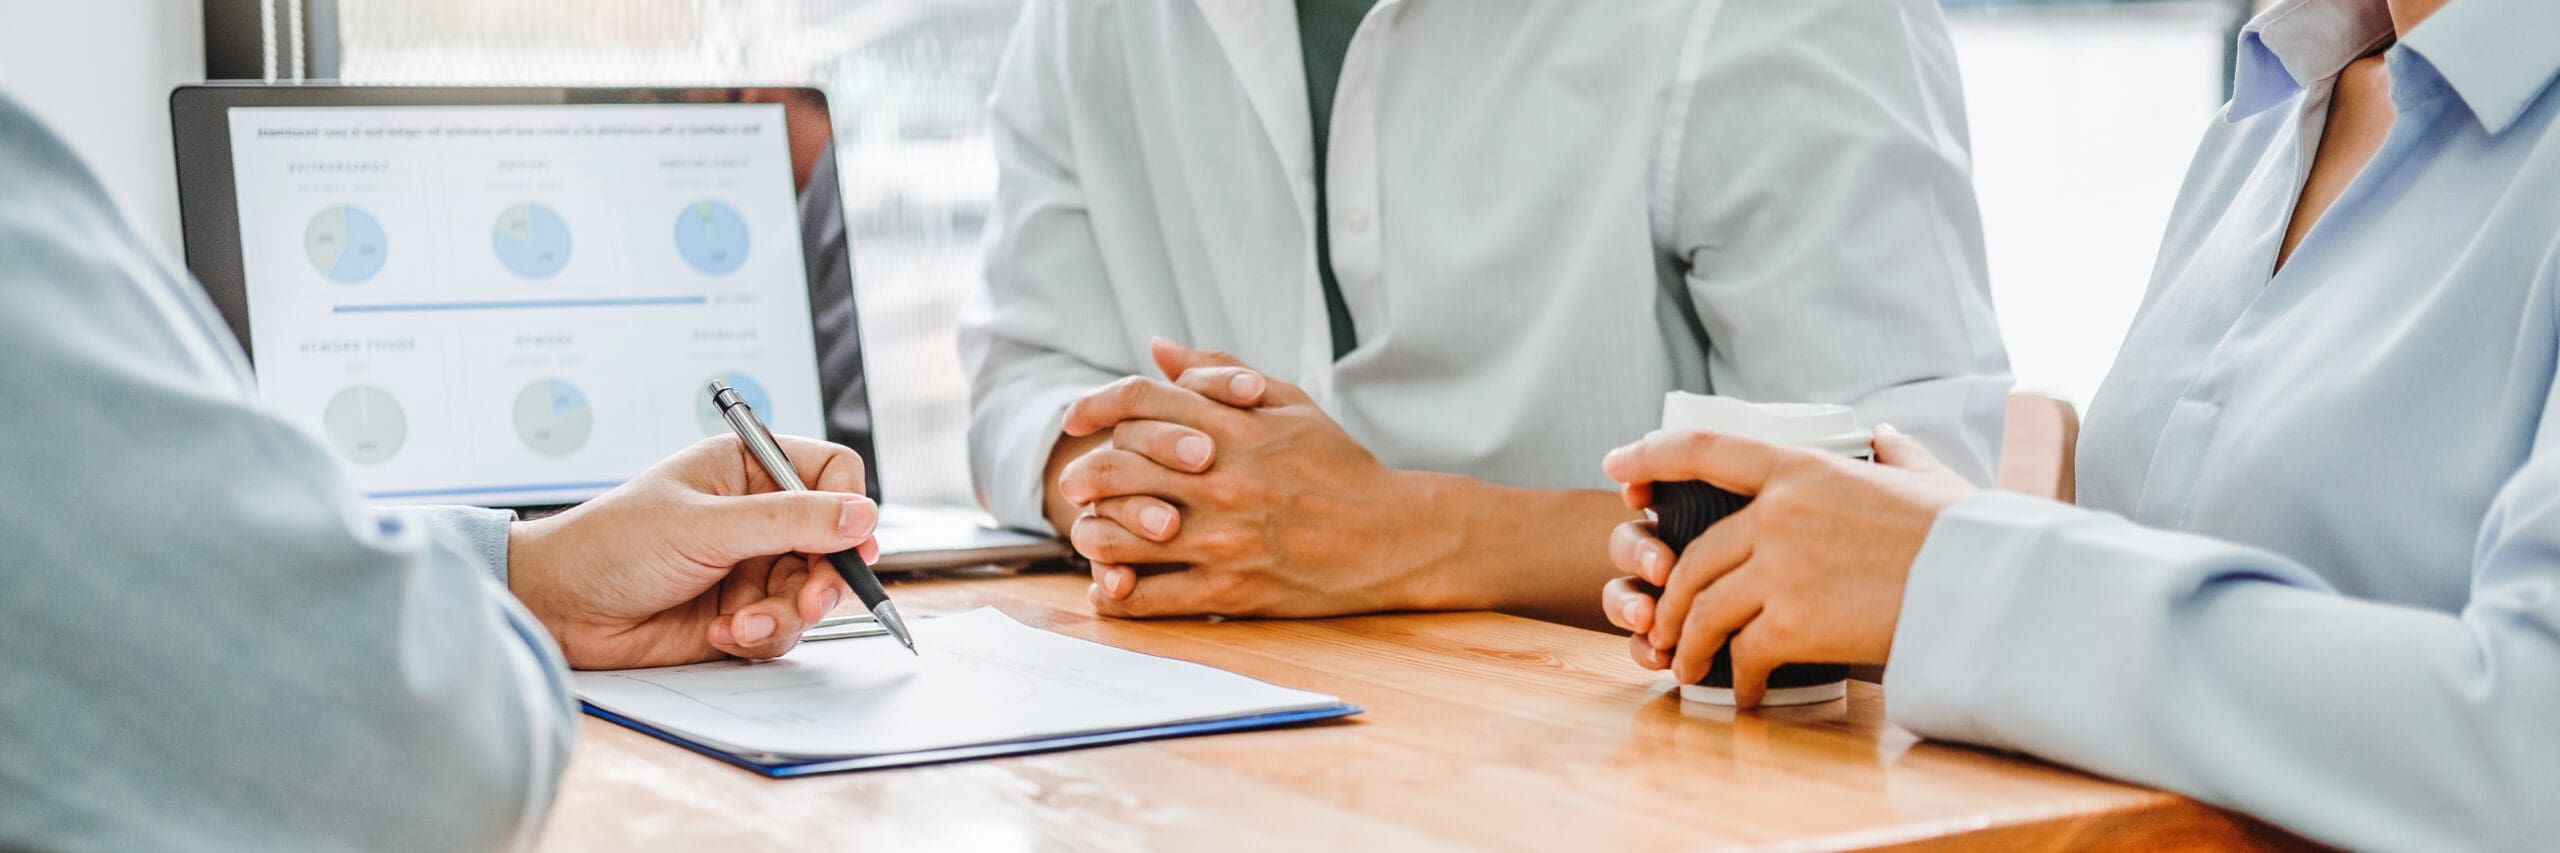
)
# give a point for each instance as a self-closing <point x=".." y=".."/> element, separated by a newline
<point x="1482" y="731"/>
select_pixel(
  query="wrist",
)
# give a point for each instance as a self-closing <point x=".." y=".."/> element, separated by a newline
<point x="1540" y="553"/>
<point x="1436" y="530"/>
<point x="529" y="570"/>
<point x="521" y="537"/>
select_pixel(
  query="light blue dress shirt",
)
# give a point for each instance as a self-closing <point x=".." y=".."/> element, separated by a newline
<point x="2315" y="573"/>
<point x="206" y="641"/>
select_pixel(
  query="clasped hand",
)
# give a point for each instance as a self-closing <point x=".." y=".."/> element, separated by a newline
<point x="1811" y="571"/>
<point x="1238" y="495"/>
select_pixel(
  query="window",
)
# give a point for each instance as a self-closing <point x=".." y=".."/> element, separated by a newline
<point x="2083" y="115"/>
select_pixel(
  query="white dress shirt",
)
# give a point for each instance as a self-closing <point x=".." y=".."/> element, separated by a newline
<point x="2316" y="570"/>
<point x="1516" y="190"/>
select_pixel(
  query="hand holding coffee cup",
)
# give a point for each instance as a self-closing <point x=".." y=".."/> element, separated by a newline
<point x="1811" y="568"/>
<point x="1685" y="509"/>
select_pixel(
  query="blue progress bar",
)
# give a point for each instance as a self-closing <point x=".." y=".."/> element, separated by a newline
<point x="537" y="487"/>
<point x="503" y="306"/>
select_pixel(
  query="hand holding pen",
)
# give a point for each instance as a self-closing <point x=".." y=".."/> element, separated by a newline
<point x="696" y="559"/>
<point x="849" y="564"/>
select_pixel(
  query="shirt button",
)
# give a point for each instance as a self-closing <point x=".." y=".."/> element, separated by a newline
<point x="1356" y="219"/>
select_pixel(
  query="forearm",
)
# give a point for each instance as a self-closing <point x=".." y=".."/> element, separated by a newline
<point x="1540" y="553"/>
<point x="1045" y="324"/>
<point x="2231" y="674"/>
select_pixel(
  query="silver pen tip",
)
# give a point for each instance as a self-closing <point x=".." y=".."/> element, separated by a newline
<point x="887" y="613"/>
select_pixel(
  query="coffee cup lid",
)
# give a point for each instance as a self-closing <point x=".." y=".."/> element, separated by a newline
<point x="1825" y="425"/>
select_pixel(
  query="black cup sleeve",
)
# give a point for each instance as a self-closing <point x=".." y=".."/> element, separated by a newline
<point x="1681" y="512"/>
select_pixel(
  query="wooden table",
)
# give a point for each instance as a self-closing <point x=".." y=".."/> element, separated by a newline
<point x="1483" y="731"/>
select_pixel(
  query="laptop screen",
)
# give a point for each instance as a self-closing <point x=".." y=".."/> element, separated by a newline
<point x="521" y="304"/>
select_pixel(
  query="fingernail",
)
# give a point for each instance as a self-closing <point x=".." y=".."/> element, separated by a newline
<point x="754" y="627"/>
<point x="857" y="518"/>
<point x="1628" y="610"/>
<point x="1156" y="519"/>
<point x="1651" y="560"/>
<point x="1246" y="384"/>
<point x="1120" y="580"/>
<point x="1887" y="431"/>
<point x="1193" y="450"/>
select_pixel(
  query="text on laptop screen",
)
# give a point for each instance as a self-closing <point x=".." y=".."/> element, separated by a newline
<point x="521" y="304"/>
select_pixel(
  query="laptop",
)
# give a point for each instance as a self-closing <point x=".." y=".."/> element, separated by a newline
<point x="514" y="297"/>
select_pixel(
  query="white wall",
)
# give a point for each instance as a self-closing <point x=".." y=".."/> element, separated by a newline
<point x="2083" y="122"/>
<point x="99" y="72"/>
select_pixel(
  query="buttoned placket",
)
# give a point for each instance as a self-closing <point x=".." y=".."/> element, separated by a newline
<point x="2417" y="102"/>
<point x="1352" y="216"/>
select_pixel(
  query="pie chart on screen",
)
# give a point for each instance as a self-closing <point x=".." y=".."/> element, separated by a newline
<point x="345" y="244"/>
<point x="712" y="237"/>
<point x="531" y="240"/>
<point x="553" y="418"/>
<point x="366" y="424"/>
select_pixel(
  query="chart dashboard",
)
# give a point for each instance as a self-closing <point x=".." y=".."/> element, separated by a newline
<point x="521" y="304"/>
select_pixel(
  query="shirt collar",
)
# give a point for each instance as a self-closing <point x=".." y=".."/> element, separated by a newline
<point x="2301" y="42"/>
<point x="2497" y="55"/>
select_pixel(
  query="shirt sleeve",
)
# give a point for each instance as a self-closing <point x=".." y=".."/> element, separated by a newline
<point x="1826" y="215"/>
<point x="481" y="532"/>
<point x="212" y="641"/>
<point x="2241" y="678"/>
<point x="1043" y="328"/>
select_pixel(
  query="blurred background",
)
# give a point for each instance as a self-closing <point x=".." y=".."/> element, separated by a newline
<point x="2083" y="112"/>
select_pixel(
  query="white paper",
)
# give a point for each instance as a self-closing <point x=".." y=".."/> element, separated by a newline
<point x="982" y="678"/>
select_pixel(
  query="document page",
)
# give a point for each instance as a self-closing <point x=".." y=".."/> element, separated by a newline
<point x="982" y="678"/>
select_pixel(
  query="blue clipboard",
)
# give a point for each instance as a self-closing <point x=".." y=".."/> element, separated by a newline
<point x="779" y="767"/>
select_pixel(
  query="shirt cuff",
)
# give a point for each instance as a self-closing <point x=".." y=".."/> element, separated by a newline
<point x="481" y="532"/>
<point x="1956" y="602"/>
<point x="1014" y="491"/>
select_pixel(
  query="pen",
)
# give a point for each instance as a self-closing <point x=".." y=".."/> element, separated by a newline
<point x="759" y="441"/>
